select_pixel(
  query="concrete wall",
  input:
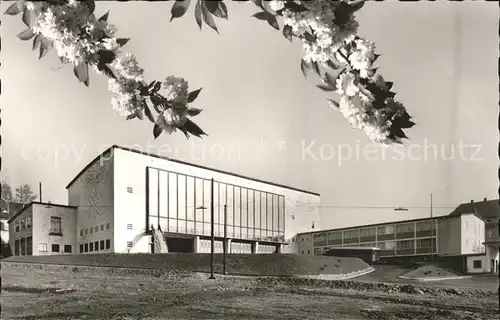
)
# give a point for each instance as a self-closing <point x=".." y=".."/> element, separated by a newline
<point x="472" y="234"/>
<point x="303" y="244"/>
<point x="92" y="193"/>
<point x="26" y="215"/>
<point x="482" y="268"/>
<point x="42" y="234"/>
<point x="301" y="209"/>
<point x="450" y="236"/>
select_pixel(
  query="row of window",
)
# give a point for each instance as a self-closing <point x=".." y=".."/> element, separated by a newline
<point x="178" y="196"/>
<point x="24" y="246"/>
<point x="93" y="229"/>
<point x="401" y="231"/>
<point x="95" y="246"/>
<point x="22" y="224"/>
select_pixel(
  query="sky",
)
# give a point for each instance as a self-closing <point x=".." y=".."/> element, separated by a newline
<point x="264" y="119"/>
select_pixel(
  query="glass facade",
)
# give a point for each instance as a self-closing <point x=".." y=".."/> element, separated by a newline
<point x="181" y="203"/>
<point x="393" y="239"/>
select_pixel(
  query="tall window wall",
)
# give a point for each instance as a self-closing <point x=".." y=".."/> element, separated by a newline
<point x="181" y="203"/>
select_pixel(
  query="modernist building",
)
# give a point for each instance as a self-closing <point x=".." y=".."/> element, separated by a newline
<point x="127" y="201"/>
<point x="457" y="239"/>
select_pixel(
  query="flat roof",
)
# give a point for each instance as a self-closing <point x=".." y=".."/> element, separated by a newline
<point x="39" y="203"/>
<point x="392" y="222"/>
<point x="185" y="163"/>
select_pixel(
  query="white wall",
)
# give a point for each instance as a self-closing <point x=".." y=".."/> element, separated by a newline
<point x="484" y="264"/>
<point x="301" y="209"/>
<point x="450" y="235"/>
<point x="92" y="193"/>
<point x="472" y="234"/>
<point x="41" y="229"/>
<point x="4" y="232"/>
<point x="304" y="244"/>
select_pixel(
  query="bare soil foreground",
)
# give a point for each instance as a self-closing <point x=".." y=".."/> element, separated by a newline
<point x="79" y="293"/>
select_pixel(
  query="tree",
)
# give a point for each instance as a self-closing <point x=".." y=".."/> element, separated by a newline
<point x="24" y="194"/>
<point x="6" y="191"/>
<point x="327" y="29"/>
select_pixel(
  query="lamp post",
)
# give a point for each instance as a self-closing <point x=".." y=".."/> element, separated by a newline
<point x="212" y="235"/>
<point x="432" y="234"/>
<point x="224" y="247"/>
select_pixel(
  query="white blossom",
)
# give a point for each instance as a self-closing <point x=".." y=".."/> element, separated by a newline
<point x="277" y="4"/>
<point x="176" y="90"/>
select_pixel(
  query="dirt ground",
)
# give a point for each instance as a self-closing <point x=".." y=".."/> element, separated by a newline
<point x="52" y="294"/>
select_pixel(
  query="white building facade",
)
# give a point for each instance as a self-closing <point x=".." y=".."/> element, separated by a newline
<point x="124" y="195"/>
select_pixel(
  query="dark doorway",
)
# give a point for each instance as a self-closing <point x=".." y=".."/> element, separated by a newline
<point x="181" y="245"/>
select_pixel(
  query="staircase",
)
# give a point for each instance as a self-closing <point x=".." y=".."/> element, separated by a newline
<point x="159" y="241"/>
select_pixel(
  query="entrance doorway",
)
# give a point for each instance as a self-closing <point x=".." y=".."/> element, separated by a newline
<point x="180" y="245"/>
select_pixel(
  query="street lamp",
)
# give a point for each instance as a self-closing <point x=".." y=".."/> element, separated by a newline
<point x="212" y="235"/>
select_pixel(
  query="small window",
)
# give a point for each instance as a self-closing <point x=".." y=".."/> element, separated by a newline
<point x="86" y="247"/>
<point x="130" y="190"/>
<point x="96" y="246"/>
<point x="101" y="244"/>
<point x="477" y="264"/>
<point x="91" y="230"/>
<point x="96" y="228"/>
<point x="55" y="248"/>
<point x="108" y="244"/>
<point x="42" y="247"/>
<point x="81" y="232"/>
<point x="107" y="226"/>
<point x="81" y="248"/>
<point x="308" y="251"/>
<point x="91" y="247"/>
<point x="86" y="231"/>
<point x="129" y="226"/>
<point x="28" y="223"/>
<point x="102" y="227"/>
<point x="130" y="244"/>
<point x="55" y="225"/>
<point x="302" y="251"/>
<point x="17" y="226"/>
<point x="67" y="248"/>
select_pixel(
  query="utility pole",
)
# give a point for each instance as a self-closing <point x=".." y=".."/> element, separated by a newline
<point x="224" y="247"/>
<point x="432" y="234"/>
<point x="212" y="236"/>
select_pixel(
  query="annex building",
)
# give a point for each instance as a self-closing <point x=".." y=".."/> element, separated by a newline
<point x="127" y="201"/>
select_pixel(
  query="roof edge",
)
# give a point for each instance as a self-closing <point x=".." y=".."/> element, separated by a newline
<point x="26" y="206"/>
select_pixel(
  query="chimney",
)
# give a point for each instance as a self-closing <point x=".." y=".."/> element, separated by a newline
<point x="485" y="199"/>
<point x="472" y="201"/>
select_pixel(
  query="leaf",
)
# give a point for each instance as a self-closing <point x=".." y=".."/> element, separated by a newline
<point x="304" y="67"/>
<point x="157" y="128"/>
<point x="15" y="8"/>
<point x="26" y="35"/>
<point x="332" y="65"/>
<point x="287" y="32"/>
<point x="222" y="11"/>
<point x="197" y="13"/>
<point x="81" y="71"/>
<point x="122" y="41"/>
<point x="356" y="5"/>
<point x="309" y="37"/>
<point x="193" y="111"/>
<point x="148" y="113"/>
<point x="270" y="18"/>
<point x="106" y="70"/>
<point x="139" y="114"/>
<point x="329" y="79"/>
<point x="207" y="17"/>
<point x="193" y="128"/>
<point x="131" y="116"/>
<point x="29" y="18"/>
<point x="179" y="8"/>
<point x="36" y="41"/>
<point x="316" y="68"/>
<point x="211" y="5"/>
<point x="104" y="17"/>
<point x="375" y="57"/>
<point x="106" y="56"/>
<point x="325" y="87"/>
<point x="291" y="5"/>
<point x="193" y="95"/>
<point x="91" y="5"/>
<point x="333" y="104"/>
<point x="45" y="46"/>
<point x="389" y="84"/>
